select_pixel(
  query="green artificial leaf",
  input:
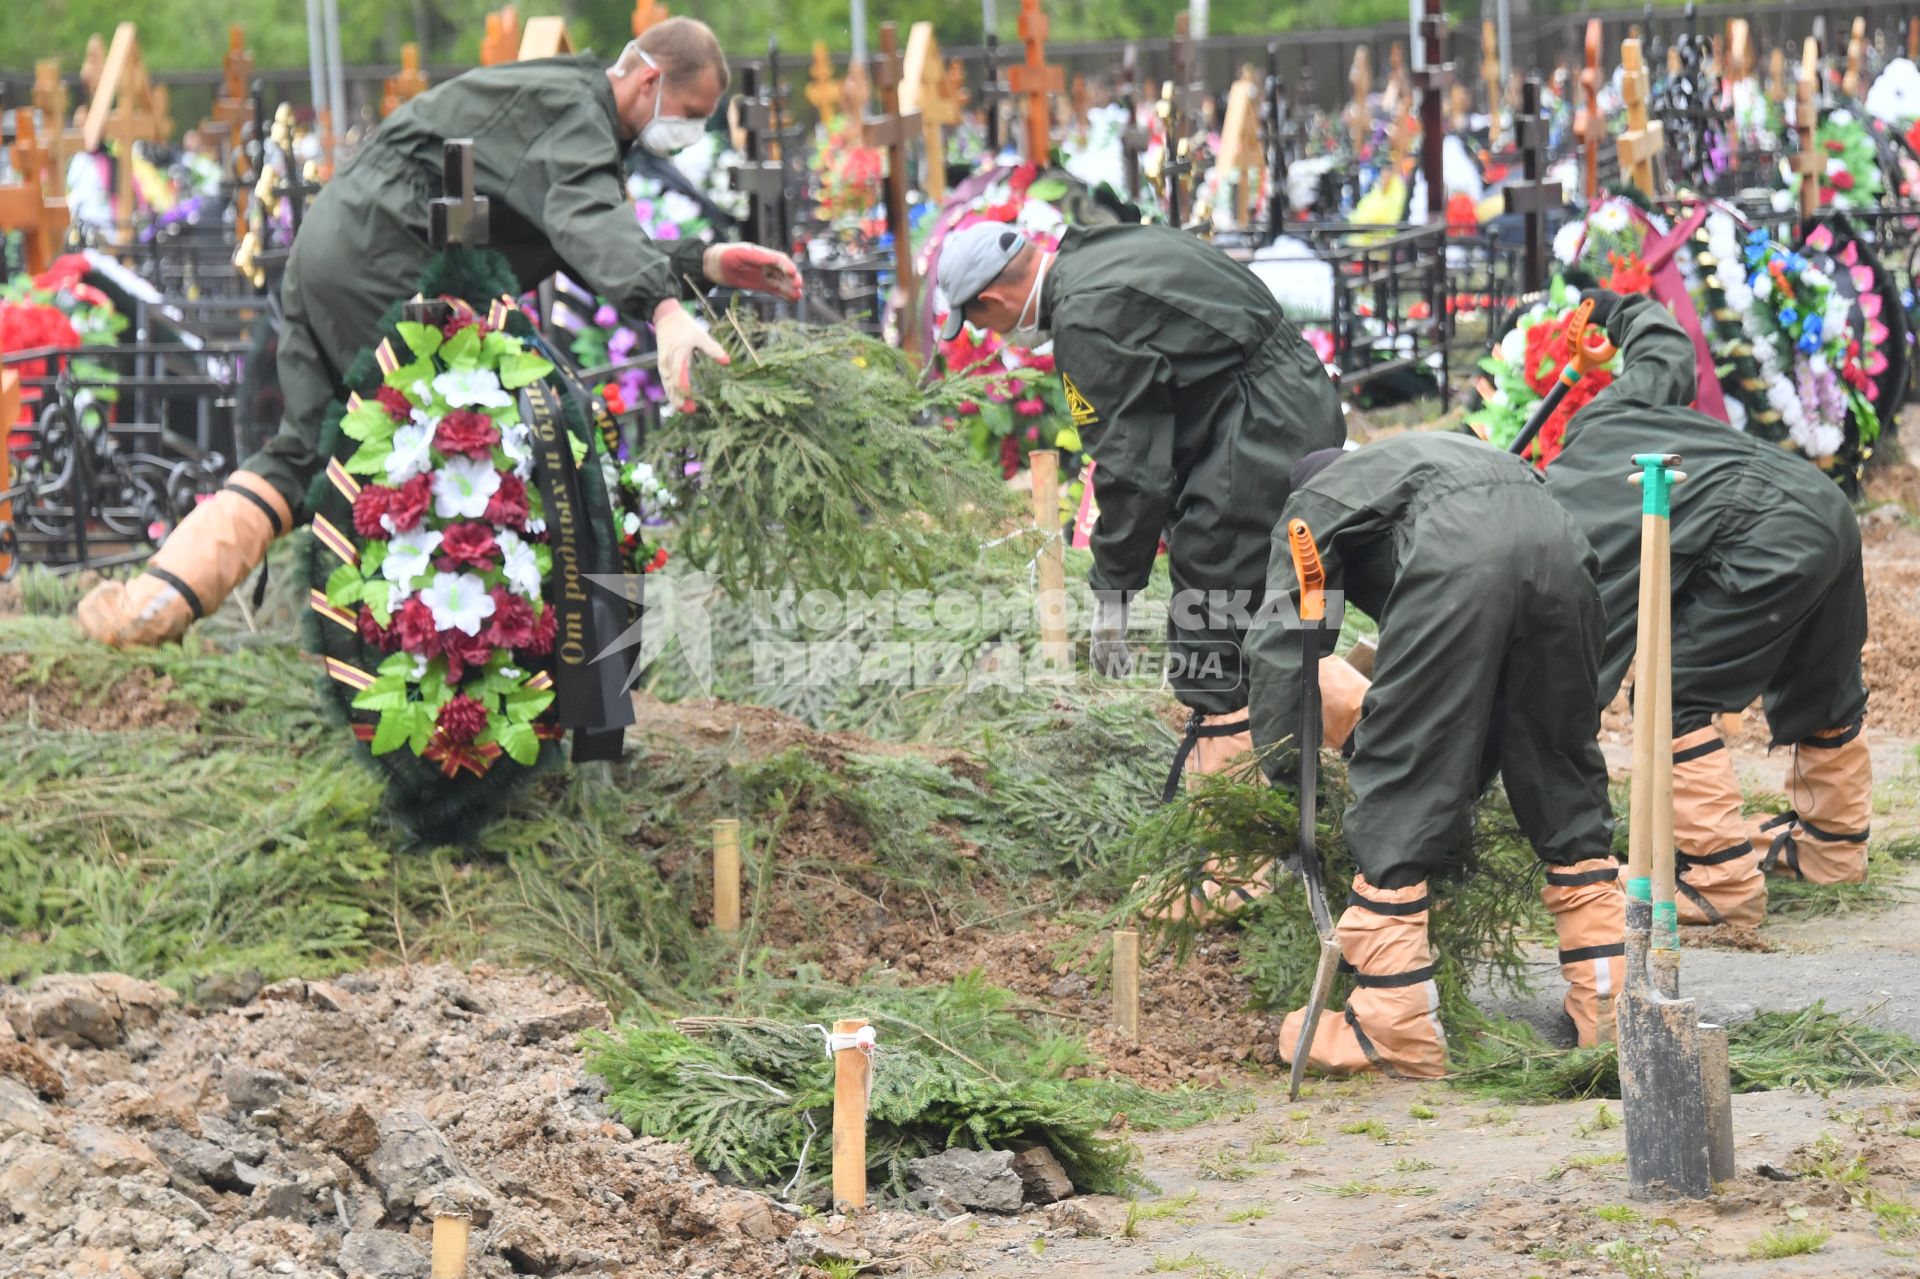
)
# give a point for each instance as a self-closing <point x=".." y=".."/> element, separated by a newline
<point x="420" y="728"/>
<point x="590" y="348"/>
<point x="580" y="449"/>
<point x="497" y="344"/>
<point x="393" y="731"/>
<point x="1047" y="189"/>
<point x="407" y="374"/>
<point x="370" y="421"/>
<point x="433" y="685"/>
<point x="421" y="339"/>
<point x="518" y="741"/>
<point x="370" y="458"/>
<point x="375" y="595"/>
<point x="372" y="556"/>
<point x="523" y="703"/>
<point x="389" y="692"/>
<point x="462" y="350"/>
<point x="398" y="664"/>
<point x="523" y="369"/>
<point x="543" y="557"/>
<point x="345" y="586"/>
<point x="1067" y="440"/>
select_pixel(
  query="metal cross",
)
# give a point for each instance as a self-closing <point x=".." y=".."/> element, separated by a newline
<point x="1533" y="196"/>
<point x="458" y="216"/>
<point x="1433" y="76"/>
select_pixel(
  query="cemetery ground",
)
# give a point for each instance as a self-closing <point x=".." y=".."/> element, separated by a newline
<point x="254" y="1033"/>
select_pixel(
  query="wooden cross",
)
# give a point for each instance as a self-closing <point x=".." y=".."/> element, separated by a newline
<point x="926" y="89"/>
<point x="1533" y="196"/>
<point x="1433" y="76"/>
<point x="127" y="108"/>
<point x="501" y="43"/>
<point x="24" y="206"/>
<point x="855" y="94"/>
<point x="648" y="14"/>
<point x="993" y="91"/>
<point x="823" y="90"/>
<point x="1811" y="163"/>
<point x="1490" y="75"/>
<point x="546" y="37"/>
<point x="762" y="176"/>
<point x="1189" y="95"/>
<point x="458" y="216"/>
<point x="891" y="129"/>
<point x="409" y="84"/>
<point x="1589" y="125"/>
<point x="50" y="100"/>
<point x="1082" y="100"/>
<point x="1241" y="158"/>
<point x="1643" y="140"/>
<point x="1854" y="82"/>
<point x="1913" y="39"/>
<point x="230" y="106"/>
<point x="1036" y="82"/>
<point x="1396" y="97"/>
<point x="1274" y="124"/>
<point x="1359" y="118"/>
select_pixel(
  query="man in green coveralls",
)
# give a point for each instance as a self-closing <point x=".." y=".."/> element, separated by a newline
<point x="1490" y="642"/>
<point x="1195" y="395"/>
<point x="1769" y="601"/>
<point x="549" y="137"/>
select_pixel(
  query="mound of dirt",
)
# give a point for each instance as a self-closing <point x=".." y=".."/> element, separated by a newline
<point x="143" y="699"/>
<point x="318" y="1127"/>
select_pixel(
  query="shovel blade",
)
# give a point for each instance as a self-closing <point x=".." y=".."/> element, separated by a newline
<point x="1316" y="1004"/>
<point x="1663" y="1098"/>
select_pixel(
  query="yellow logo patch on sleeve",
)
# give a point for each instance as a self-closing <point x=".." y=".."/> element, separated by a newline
<point x="1079" y="405"/>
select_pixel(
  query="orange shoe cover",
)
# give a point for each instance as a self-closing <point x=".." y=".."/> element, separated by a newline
<point x="1392" y="1019"/>
<point x="1590" y="915"/>
<point x="196" y="568"/>
<point x="1824" y="838"/>
<point x="1719" y="868"/>
<point x="1342" y="688"/>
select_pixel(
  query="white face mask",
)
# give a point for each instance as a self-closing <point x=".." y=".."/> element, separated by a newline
<point x="664" y="135"/>
<point x="1023" y="334"/>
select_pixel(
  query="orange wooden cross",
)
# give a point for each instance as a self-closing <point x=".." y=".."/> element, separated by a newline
<point x="127" y="108"/>
<point x="408" y="84"/>
<point x="24" y="206"/>
<point x="1359" y="117"/>
<point x="1811" y="163"/>
<point x="648" y="14"/>
<point x="823" y="91"/>
<point x="50" y="100"/>
<point x="924" y="88"/>
<point x="1854" y="83"/>
<point x="1490" y="74"/>
<point x="1643" y="140"/>
<point x="1588" y="124"/>
<point x="1036" y="81"/>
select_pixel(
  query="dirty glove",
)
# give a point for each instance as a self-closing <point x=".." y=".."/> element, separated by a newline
<point x="748" y="266"/>
<point x="1109" y="652"/>
<point x="678" y="336"/>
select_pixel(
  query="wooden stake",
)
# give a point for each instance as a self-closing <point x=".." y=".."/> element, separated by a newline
<point x="1055" y="651"/>
<point x="450" y="1247"/>
<point x="1126" y="984"/>
<point x="851" y="1070"/>
<point x="9" y="414"/>
<point x="726" y="876"/>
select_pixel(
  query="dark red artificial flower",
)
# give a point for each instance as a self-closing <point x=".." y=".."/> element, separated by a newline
<point x="373" y="634"/>
<point x="467" y="542"/>
<point x="511" y="625"/>
<point x="616" y="402"/>
<point x="397" y="405"/>
<point x="409" y="503"/>
<point x="462" y="320"/>
<point x="463" y="650"/>
<point x="545" y="627"/>
<point x="1835" y="146"/>
<point x="462" y="719"/>
<point x="373" y="502"/>
<point x="414" y="628"/>
<point x="1841" y="181"/>
<point x="464" y="431"/>
<point x="1009" y="457"/>
<point x="507" y="508"/>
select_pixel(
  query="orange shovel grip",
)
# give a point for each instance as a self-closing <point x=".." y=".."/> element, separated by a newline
<point x="1306" y="566"/>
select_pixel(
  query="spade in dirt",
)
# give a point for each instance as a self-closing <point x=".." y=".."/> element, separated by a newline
<point x="1674" y="1088"/>
<point x="1313" y="612"/>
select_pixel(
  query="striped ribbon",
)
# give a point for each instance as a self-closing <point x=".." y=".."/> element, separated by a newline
<point x="349" y="674"/>
<point x="334" y="540"/>
<point x="348" y="487"/>
<point x="385" y="357"/>
<point x="317" y="600"/>
<point x="354" y="401"/>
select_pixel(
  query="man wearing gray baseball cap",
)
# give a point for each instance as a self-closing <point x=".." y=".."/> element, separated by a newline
<point x="1195" y="396"/>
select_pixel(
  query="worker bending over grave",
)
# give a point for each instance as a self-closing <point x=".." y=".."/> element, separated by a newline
<point x="1195" y="396"/>
<point x="549" y="137"/>
<point x="1489" y="659"/>
<point x="1769" y="602"/>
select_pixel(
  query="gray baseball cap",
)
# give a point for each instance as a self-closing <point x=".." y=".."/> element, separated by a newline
<point x="970" y="260"/>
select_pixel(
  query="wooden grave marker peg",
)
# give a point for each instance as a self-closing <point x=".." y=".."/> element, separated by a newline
<point x="823" y="88"/>
<point x="1533" y="196"/>
<point x="852" y="1081"/>
<point x="545" y="37"/>
<point x="926" y="89"/>
<point x="648" y="14"/>
<point x="891" y="130"/>
<point x="1056" y="651"/>
<point x="1126" y="984"/>
<point x="1035" y="81"/>
<point x="1490" y="76"/>
<point x="409" y="83"/>
<point x="726" y="875"/>
<point x="1811" y="162"/>
<point x="1643" y="140"/>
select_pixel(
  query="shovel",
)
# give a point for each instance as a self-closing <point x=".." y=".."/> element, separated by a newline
<point x="1313" y="612"/>
<point x="1674" y="1087"/>
<point x="1591" y="350"/>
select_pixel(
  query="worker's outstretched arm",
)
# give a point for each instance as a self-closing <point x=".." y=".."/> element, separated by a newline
<point x="1656" y="355"/>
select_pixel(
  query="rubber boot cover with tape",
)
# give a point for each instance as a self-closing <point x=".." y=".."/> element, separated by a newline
<point x="221" y="541"/>
<point x="1392" y="1018"/>
<point x="1589" y="912"/>
<point x="1830" y="785"/>
<point x="1719" y="878"/>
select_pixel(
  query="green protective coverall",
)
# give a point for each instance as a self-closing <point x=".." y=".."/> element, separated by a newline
<point x="1769" y="599"/>
<point x="1490" y="641"/>
<point x="547" y="155"/>
<point x="1195" y="396"/>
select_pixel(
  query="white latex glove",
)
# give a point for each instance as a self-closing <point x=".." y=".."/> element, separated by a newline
<point x="748" y="266"/>
<point x="678" y="336"/>
<point x="1108" y="651"/>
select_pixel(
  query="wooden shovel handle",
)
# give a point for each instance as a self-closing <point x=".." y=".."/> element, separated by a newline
<point x="1306" y="566"/>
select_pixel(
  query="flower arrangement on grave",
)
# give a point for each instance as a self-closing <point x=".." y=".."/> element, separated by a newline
<point x="850" y="176"/>
<point x="1852" y="178"/>
<point x="1523" y="368"/>
<point x="58" y="308"/>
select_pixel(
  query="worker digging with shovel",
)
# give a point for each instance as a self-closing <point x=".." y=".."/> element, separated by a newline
<point x="1195" y="396"/>
<point x="1769" y="602"/>
<point x="1489" y="655"/>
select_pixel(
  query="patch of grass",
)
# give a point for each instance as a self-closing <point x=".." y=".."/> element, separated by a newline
<point x="1603" y="1120"/>
<point x="1420" y="1111"/>
<point x="838" y="1267"/>
<point x="1172" y="1207"/>
<point x="1893" y="1216"/>
<point x="1619" y="1214"/>
<point x="1355" y="1188"/>
<point x="1225" y="1164"/>
<point x="1900" y="848"/>
<point x="1166" y="1264"/>
<point x="1641" y="1261"/>
<point x="1257" y="1212"/>
<point x="1374" y="1128"/>
<point x="1798" y="899"/>
<point x="1413" y="1165"/>
<point x="1585" y="1161"/>
<point x="1776" y="1244"/>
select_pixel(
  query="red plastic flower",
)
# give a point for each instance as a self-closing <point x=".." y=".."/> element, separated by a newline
<point x="373" y="502"/>
<point x="462" y="719"/>
<point x="1841" y="181"/>
<point x="409" y="503"/>
<point x="545" y="627"/>
<point x="397" y="405"/>
<point x="966" y="408"/>
<point x="467" y="542"/>
<point x="616" y="402"/>
<point x="1030" y="407"/>
<point x="655" y="564"/>
<point x="464" y="431"/>
<point x="463" y="650"/>
<point x="1835" y="146"/>
<point x="511" y="625"/>
<point x="1629" y="275"/>
<point x="373" y="634"/>
<point x="1041" y="363"/>
<point x="1009" y="457"/>
<point x="413" y="627"/>
<point x="461" y="320"/>
<point x="507" y="508"/>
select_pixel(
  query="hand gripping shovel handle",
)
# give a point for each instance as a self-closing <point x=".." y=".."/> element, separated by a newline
<point x="1591" y="350"/>
<point x="1313" y="611"/>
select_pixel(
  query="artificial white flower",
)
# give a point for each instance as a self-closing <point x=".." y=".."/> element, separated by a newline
<point x="536" y="525"/>
<point x="1513" y="347"/>
<point x="462" y="486"/>
<point x="419" y="669"/>
<point x="412" y="453"/>
<point x="516" y="441"/>
<point x="459" y="602"/>
<point x="1611" y="217"/>
<point x="409" y="555"/>
<point x="1762" y="287"/>
<point x="1736" y="414"/>
<point x="1827" y="440"/>
<point x="517" y="562"/>
<point x="1567" y="241"/>
<point x="1840" y="116"/>
<point x="1498" y="399"/>
<point x="472" y="388"/>
<point x="1817" y="362"/>
<point x="630" y="524"/>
